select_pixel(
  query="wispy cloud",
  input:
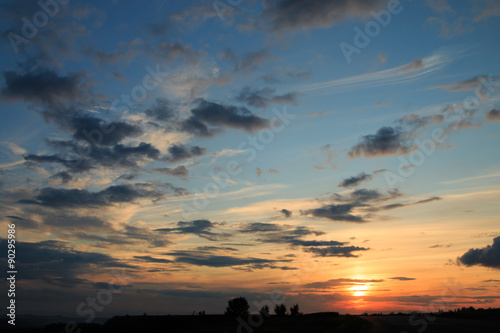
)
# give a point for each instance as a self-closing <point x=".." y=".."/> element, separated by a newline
<point x="412" y="71"/>
<point x="462" y="180"/>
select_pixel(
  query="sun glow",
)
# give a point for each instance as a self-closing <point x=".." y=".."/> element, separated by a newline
<point x="359" y="290"/>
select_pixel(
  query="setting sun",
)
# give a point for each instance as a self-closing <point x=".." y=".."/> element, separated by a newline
<point x="359" y="290"/>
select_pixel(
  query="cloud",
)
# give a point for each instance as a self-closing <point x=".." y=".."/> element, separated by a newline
<point x="387" y="141"/>
<point x="60" y="198"/>
<point x="24" y="223"/>
<point x="480" y="81"/>
<point x="56" y="263"/>
<point x="290" y="15"/>
<point x="355" y="180"/>
<point x="209" y="260"/>
<point x="259" y="171"/>
<point x="493" y="115"/>
<point x="286" y="213"/>
<point x="260" y="227"/>
<point x="209" y="113"/>
<point x="415" y="65"/>
<point x="158" y="29"/>
<point x="78" y="158"/>
<point x="402" y="278"/>
<point x="439" y="245"/>
<point x="153" y="260"/>
<point x="179" y="171"/>
<point x="334" y="212"/>
<point x="63" y="176"/>
<point x="201" y="228"/>
<point x="42" y="86"/>
<point x="161" y="110"/>
<point x="264" y="97"/>
<point x="488" y="256"/>
<point x="391" y="76"/>
<point x="440" y="6"/>
<point x="164" y="52"/>
<point x="96" y="131"/>
<point x="492" y="10"/>
<point x="448" y="30"/>
<point x="334" y="283"/>
<point x="179" y="152"/>
<point x="401" y="205"/>
<point x="247" y="62"/>
<point x="336" y="251"/>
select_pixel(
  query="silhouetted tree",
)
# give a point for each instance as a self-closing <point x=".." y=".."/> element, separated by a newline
<point x="294" y="311"/>
<point x="237" y="306"/>
<point x="280" y="310"/>
<point x="264" y="311"/>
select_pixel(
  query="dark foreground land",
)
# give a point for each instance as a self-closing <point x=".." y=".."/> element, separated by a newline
<point x="317" y="323"/>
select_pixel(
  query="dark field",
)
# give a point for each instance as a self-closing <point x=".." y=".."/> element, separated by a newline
<point x="317" y="323"/>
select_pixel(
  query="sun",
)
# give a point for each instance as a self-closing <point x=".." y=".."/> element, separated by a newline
<point x="359" y="290"/>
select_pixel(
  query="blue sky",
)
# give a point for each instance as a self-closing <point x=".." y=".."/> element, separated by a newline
<point x="212" y="149"/>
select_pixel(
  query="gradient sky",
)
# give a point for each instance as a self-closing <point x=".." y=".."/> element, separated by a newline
<point x="341" y="153"/>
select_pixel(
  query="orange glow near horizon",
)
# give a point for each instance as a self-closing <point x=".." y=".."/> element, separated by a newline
<point x="359" y="290"/>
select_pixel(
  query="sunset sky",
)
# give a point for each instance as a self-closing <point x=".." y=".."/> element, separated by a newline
<point x="339" y="154"/>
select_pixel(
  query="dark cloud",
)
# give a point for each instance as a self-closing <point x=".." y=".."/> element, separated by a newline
<point x="439" y="245"/>
<point x="218" y="115"/>
<point x="179" y="152"/>
<point x="334" y="212"/>
<point x="60" y="198"/>
<point x="42" y="86"/>
<point x="63" y="176"/>
<point x="197" y="259"/>
<point x="289" y="15"/>
<point x="153" y="260"/>
<point x="488" y="256"/>
<point x="401" y="205"/>
<point x="180" y="171"/>
<point x="96" y="131"/>
<point x="493" y="115"/>
<point x="355" y="180"/>
<point x="387" y="141"/>
<point x="80" y="222"/>
<point x="334" y="283"/>
<point x="262" y="98"/>
<point x="260" y="227"/>
<point x="161" y="110"/>
<point x="54" y="262"/>
<point x="287" y="213"/>
<point x="201" y="228"/>
<point x="336" y="251"/>
<point x="23" y="223"/>
<point x="402" y="278"/>
<point x="79" y="159"/>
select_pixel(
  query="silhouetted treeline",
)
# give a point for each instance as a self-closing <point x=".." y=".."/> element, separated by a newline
<point x="472" y="313"/>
